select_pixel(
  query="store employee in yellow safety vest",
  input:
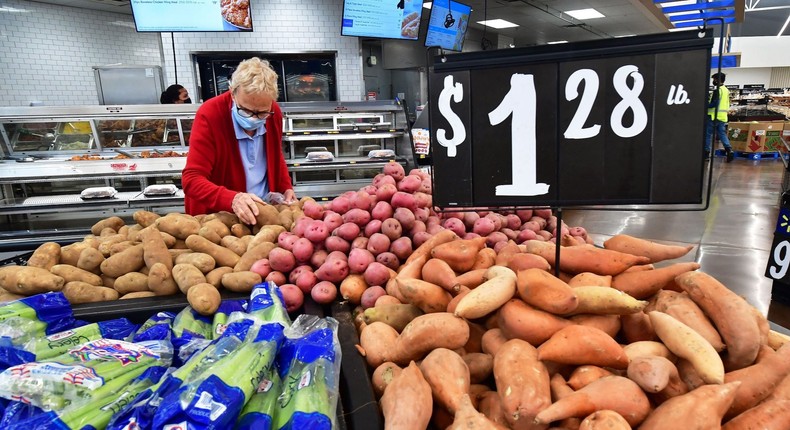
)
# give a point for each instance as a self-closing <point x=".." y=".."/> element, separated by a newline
<point x="718" y="118"/>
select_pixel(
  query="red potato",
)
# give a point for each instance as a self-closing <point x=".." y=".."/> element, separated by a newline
<point x="470" y="218"/>
<point x="370" y="189"/>
<point x="433" y="220"/>
<point x="324" y="292"/>
<point x="301" y="225"/>
<point x="335" y="243"/>
<point x="277" y="277"/>
<point x="371" y="295"/>
<point x="405" y="218"/>
<point x="418" y="227"/>
<point x="426" y="186"/>
<point x="385" y="192"/>
<point x="317" y="231"/>
<point x="303" y="250"/>
<point x="391" y="228"/>
<point x="389" y="259"/>
<point x="545" y="235"/>
<point x="374" y="226"/>
<point x="286" y="240"/>
<point x="420" y="238"/>
<point x="531" y="226"/>
<point x="524" y="214"/>
<point x="542" y="222"/>
<point x="281" y="260"/>
<point x="455" y="225"/>
<point x="497" y="219"/>
<point x="421" y="173"/>
<point x="332" y="220"/>
<point x="361" y="200"/>
<point x="357" y="216"/>
<point x="402" y="248"/>
<point x="378" y="243"/>
<point x="403" y="200"/>
<point x="525" y="235"/>
<point x="340" y="205"/>
<point x="333" y="270"/>
<point x="306" y="281"/>
<point x="410" y="184"/>
<point x="544" y="213"/>
<point x="423" y="200"/>
<point x="510" y="234"/>
<point x="382" y="210"/>
<point x="298" y="271"/>
<point x="382" y="179"/>
<point x="395" y="170"/>
<point x="422" y="214"/>
<point x="318" y="258"/>
<point x="261" y="267"/>
<point x="360" y="242"/>
<point x="313" y="210"/>
<point x="377" y="274"/>
<point x="293" y="297"/>
<point x="359" y="260"/>
<point x="513" y="221"/>
<point x="495" y="238"/>
<point x="484" y="226"/>
<point x="348" y="231"/>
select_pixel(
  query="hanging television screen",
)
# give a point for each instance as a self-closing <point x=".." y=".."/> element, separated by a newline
<point x="447" y="25"/>
<point x="194" y="15"/>
<point x="385" y="19"/>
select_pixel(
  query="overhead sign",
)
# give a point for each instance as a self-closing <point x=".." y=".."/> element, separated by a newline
<point x="609" y="122"/>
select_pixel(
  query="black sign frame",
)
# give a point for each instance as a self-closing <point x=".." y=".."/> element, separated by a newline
<point x="604" y="170"/>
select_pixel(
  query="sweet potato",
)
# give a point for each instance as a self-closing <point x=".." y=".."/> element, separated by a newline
<point x="45" y="256"/>
<point x="588" y="279"/>
<point x="161" y="281"/>
<point x="27" y="280"/>
<point x="637" y="327"/>
<point x="396" y="315"/>
<point x="652" y="373"/>
<point x="690" y="345"/>
<point x="352" y="288"/>
<point x="492" y="340"/>
<point x="731" y="315"/>
<point x="648" y="348"/>
<point x="559" y="390"/>
<point x="630" y="402"/>
<point x="459" y="254"/>
<point x="448" y="375"/>
<point x="407" y="402"/>
<point x="546" y="292"/>
<point x="604" y="420"/>
<point x="485" y="259"/>
<point x="583" y="375"/>
<point x="223" y="256"/>
<point x="378" y="342"/>
<point x="759" y="380"/>
<point x="701" y="408"/>
<point x="522" y="382"/>
<point x="77" y="292"/>
<point x="426" y="296"/>
<point x="642" y="285"/>
<point x="384" y="374"/>
<point x="71" y="273"/>
<point x="490" y="295"/>
<point x="204" y="298"/>
<point x="579" y="345"/>
<point x="609" y="324"/>
<point x="130" y="260"/>
<point x="131" y="282"/>
<point x="768" y="415"/>
<point x="605" y="301"/>
<point x="682" y="308"/>
<point x="421" y="336"/>
<point x="518" y="320"/>
<point x="440" y="273"/>
<point x="468" y="418"/>
<point x="654" y="251"/>
<point x="481" y="366"/>
<point x="471" y="279"/>
<point x="577" y="259"/>
<point x="202" y="261"/>
<point x="241" y="282"/>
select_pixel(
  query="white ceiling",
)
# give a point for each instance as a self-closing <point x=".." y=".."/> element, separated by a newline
<point x="542" y="21"/>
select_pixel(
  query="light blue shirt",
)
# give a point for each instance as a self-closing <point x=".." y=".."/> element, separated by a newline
<point x="253" y="157"/>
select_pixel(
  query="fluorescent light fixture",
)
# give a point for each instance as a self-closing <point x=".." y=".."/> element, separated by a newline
<point x="582" y="14"/>
<point x="784" y="27"/>
<point x="427" y="5"/>
<point x="556" y="42"/>
<point x="497" y="23"/>
<point x="12" y="9"/>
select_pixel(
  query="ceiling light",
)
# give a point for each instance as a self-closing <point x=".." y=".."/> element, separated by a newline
<point x="556" y="42"/>
<point x="427" y="5"/>
<point x="497" y="23"/>
<point x="582" y="14"/>
<point x="784" y="27"/>
<point x="12" y="9"/>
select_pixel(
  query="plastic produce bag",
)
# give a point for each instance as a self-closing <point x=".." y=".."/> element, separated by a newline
<point x="49" y="313"/>
<point x="309" y="366"/>
<point x="157" y="327"/>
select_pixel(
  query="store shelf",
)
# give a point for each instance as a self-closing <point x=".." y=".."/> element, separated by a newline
<point x="13" y="172"/>
<point x="73" y="202"/>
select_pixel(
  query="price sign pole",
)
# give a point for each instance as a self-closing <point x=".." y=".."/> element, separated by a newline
<point x="609" y="122"/>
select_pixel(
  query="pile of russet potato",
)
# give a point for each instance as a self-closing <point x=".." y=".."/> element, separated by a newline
<point x="467" y="337"/>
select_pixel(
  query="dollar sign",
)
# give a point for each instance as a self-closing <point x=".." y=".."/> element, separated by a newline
<point x="456" y="92"/>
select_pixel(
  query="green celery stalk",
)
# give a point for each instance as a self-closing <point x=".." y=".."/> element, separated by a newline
<point x="305" y="393"/>
<point x="263" y="400"/>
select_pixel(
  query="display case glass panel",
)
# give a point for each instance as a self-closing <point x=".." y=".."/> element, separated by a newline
<point x="316" y="176"/>
<point x="302" y="147"/>
<point x="358" y="147"/>
<point x="358" y="174"/>
<point x="311" y="124"/>
<point x="114" y="133"/>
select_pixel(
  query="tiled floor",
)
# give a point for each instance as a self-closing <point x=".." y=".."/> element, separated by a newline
<point x="732" y="237"/>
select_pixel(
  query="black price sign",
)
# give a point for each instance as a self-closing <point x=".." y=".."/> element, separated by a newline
<point x="606" y="122"/>
<point x="778" y="267"/>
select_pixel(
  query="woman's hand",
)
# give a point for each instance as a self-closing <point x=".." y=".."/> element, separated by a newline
<point x="244" y="207"/>
<point x="290" y="196"/>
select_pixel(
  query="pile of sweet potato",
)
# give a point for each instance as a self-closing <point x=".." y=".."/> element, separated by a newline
<point x="157" y="256"/>
<point x="470" y="338"/>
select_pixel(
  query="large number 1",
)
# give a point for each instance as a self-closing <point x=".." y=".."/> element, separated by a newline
<point x="521" y="102"/>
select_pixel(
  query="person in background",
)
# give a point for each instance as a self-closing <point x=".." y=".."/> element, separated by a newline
<point x="175" y="94"/>
<point x="235" y="150"/>
<point x="717" y="116"/>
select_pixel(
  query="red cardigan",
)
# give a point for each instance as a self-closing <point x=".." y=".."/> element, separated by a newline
<point x="214" y="173"/>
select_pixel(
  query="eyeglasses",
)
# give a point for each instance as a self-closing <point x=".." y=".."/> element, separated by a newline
<point x="249" y="113"/>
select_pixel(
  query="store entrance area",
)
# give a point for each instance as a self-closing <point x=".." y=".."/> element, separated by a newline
<point x="732" y="238"/>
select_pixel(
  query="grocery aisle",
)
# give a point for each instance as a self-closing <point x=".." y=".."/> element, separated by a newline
<point x="732" y="237"/>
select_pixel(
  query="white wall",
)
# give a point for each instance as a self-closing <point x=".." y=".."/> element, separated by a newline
<point x="763" y="51"/>
<point x="279" y="26"/>
<point x="753" y="75"/>
<point x="47" y="51"/>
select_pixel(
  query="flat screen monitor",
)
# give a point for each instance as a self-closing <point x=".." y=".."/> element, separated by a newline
<point x="447" y="25"/>
<point x="384" y="19"/>
<point x="195" y="15"/>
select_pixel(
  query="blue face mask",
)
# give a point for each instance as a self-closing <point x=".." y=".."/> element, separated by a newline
<point x="250" y="124"/>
